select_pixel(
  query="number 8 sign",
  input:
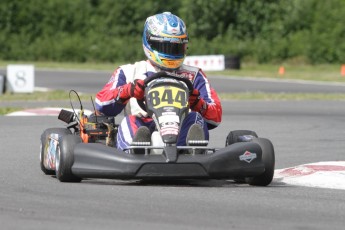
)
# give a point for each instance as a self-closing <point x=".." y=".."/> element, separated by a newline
<point x="20" y="78"/>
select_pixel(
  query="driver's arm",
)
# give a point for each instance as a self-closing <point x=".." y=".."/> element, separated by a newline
<point x="205" y="100"/>
<point x="114" y="96"/>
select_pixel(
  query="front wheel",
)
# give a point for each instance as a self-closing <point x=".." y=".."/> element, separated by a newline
<point x="65" y="158"/>
<point x="48" y="148"/>
<point x="240" y="136"/>
<point x="268" y="160"/>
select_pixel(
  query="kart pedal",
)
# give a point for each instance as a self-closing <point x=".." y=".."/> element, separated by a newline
<point x="141" y="138"/>
<point x="196" y="137"/>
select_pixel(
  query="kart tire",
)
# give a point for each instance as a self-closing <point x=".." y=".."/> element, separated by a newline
<point x="44" y="141"/>
<point x="65" y="158"/>
<point x="233" y="136"/>
<point x="268" y="159"/>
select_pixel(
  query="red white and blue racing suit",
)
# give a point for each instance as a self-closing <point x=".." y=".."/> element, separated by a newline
<point x="209" y="115"/>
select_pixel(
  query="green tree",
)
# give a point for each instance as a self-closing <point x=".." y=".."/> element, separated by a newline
<point x="108" y="30"/>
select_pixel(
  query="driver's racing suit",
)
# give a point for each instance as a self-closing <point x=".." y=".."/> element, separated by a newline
<point x="208" y="115"/>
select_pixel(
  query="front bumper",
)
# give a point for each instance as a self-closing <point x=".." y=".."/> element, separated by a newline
<point x="99" y="161"/>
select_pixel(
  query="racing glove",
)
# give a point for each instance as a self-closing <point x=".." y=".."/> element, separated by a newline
<point x="196" y="103"/>
<point x="133" y="89"/>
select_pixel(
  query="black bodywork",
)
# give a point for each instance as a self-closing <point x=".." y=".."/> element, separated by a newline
<point x="99" y="161"/>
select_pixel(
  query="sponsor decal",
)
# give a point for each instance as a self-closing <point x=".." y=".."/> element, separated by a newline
<point x="169" y="109"/>
<point x="169" y="130"/>
<point x="183" y="74"/>
<point x="169" y="118"/>
<point x="246" y="138"/>
<point x="248" y="156"/>
<point x="51" y="151"/>
<point x="186" y="74"/>
<point x="174" y="125"/>
<point x="169" y="113"/>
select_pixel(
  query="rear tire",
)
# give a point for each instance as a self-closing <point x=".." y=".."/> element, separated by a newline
<point x="268" y="159"/>
<point x="44" y="145"/>
<point x="65" y="159"/>
<point x="240" y="136"/>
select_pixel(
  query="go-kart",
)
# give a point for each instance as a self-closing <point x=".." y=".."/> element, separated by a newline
<point x="86" y="148"/>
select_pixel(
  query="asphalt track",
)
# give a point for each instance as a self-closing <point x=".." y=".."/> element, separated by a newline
<point x="301" y="131"/>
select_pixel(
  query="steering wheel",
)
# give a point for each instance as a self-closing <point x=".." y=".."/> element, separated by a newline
<point x="164" y="75"/>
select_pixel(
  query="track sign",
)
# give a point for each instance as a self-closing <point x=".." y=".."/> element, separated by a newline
<point x="20" y="78"/>
<point x="206" y="62"/>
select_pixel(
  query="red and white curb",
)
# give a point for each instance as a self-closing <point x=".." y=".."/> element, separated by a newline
<point x="43" y="112"/>
<point x="329" y="174"/>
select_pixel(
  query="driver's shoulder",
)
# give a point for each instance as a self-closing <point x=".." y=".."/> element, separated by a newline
<point x="189" y="68"/>
<point x="133" y="70"/>
<point x="132" y="66"/>
<point x="188" y="71"/>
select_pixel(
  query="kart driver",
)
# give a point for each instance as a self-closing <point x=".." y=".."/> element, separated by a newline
<point x="165" y="42"/>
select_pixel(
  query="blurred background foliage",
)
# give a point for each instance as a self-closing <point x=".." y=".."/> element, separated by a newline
<point x="262" y="31"/>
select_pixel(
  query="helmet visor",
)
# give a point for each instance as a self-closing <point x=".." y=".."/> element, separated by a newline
<point x="178" y="49"/>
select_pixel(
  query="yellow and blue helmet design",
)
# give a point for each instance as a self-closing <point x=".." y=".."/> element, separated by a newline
<point x="165" y="40"/>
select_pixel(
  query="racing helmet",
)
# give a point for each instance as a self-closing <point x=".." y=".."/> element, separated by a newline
<point x="165" y="40"/>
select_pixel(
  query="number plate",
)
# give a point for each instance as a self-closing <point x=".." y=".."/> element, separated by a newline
<point x="167" y="96"/>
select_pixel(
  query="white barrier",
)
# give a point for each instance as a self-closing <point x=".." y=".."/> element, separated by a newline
<point x="20" y="78"/>
<point x="2" y="83"/>
<point x="206" y="62"/>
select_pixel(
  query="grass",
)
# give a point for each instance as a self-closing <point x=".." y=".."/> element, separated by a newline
<point x="65" y="65"/>
<point x="54" y="95"/>
<point x="281" y="96"/>
<point x="42" y="96"/>
<point x="6" y="110"/>
<point x="326" y="73"/>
